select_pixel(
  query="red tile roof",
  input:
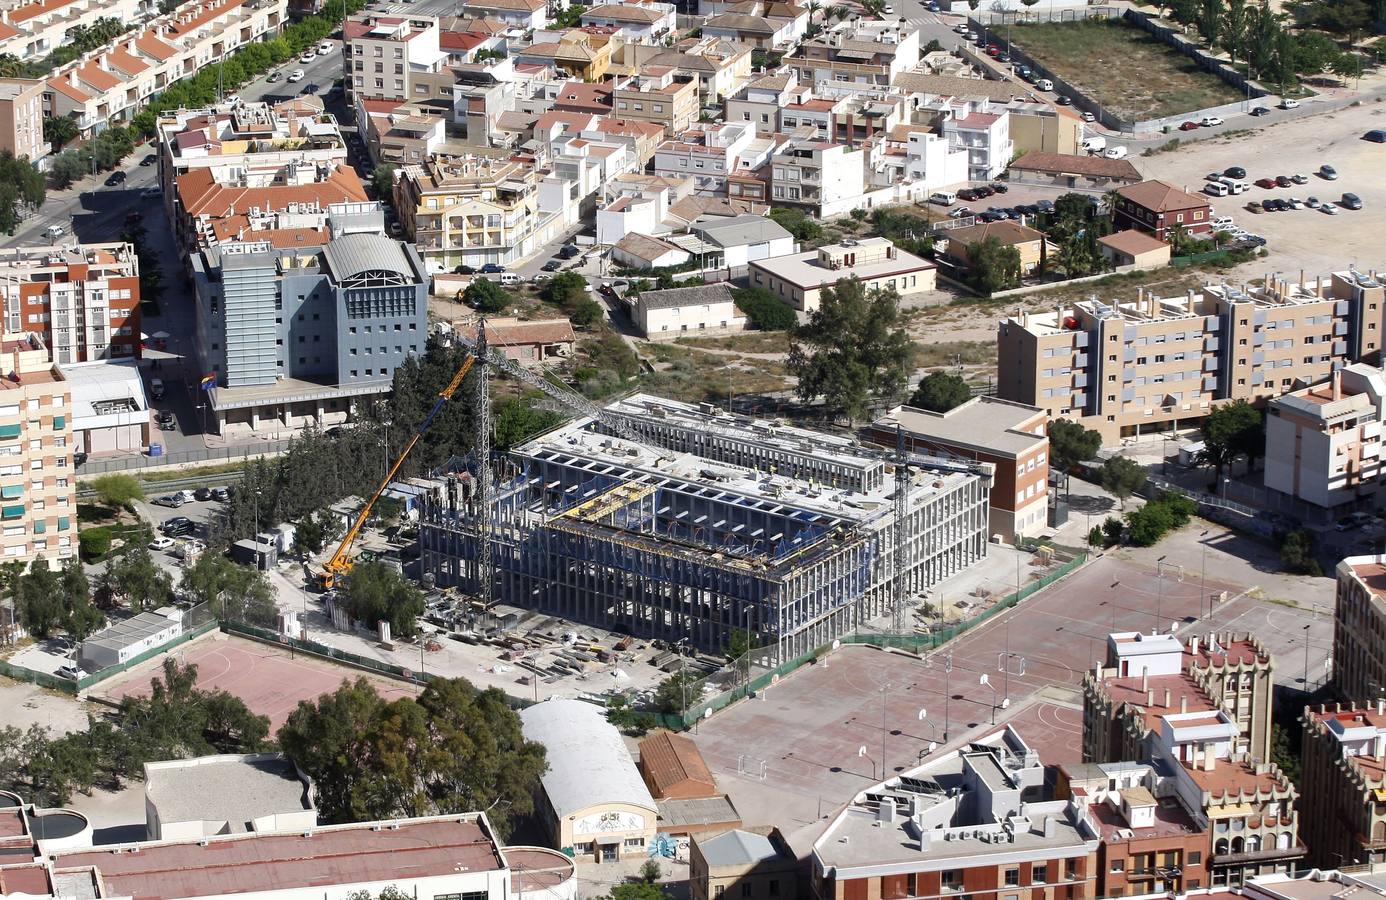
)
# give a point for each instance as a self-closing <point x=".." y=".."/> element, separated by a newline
<point x="1161" y="196"/>
<point x="97" y="77"/>
<point x="202" y="195"/>
<point x="156" y="47"/>
<point x="60" y="84"/>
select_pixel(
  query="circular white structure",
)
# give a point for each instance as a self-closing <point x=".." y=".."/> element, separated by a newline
<point x="541" y="874"/>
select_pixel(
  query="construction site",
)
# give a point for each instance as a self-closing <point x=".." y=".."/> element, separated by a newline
<point x="683" y="523"/>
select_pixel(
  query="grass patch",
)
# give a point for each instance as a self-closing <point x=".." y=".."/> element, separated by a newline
<point x="751" y="342"/>
<point x="1122" y="67"/>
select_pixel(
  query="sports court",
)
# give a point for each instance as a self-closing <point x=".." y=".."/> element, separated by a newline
<point x="803" y="740"/>
<point x="267" y="678"/>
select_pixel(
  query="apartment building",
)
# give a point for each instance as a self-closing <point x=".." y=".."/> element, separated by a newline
<point x="525" y="14"/>
<point x="634" y="23"/>
<point x="1161" y="209"/>
<point x="21" y="118"/>
<point x="929" y="159"/>
<point x="1148" y="675"/>
<point x="662" y="97"/>
<point x="1323" y="442"/>
<point x="82" y="301"/>
<point x="1359" y="627"/>
<point x="986" y="136"/>
<point x="760" y="101"/>
<point x="762" y="32"/>
<point x="38" y="490"/>
<point x="1121" y="367"/>
<point x="639" y="204"/>
<point x="469" y="210"/>
<point x="34" y="29"/>
<point x="111" y="84"/>
<point x="1202" y="712"/>
<point x="346" y="313"/>
<point x="289" y="204"/>
<point x="968" y="823"/>
<point x="858" y="51"/>
<point x="826" y="178"/>
<point x="708" y="153"/>
<point x="254" y="137"/>
<point x="1150" y="843"/>
<point x="799" y="278"/>
<point x="1012" y="437"/>
<point x="720" y="66"/>
<point x="1343" y="782"/>
<point x="583" y="55"/>
<point x="381" y="54"/>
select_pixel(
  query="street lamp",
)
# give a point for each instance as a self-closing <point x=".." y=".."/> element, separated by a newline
<point x="1203" y="575"/>
<point x="862" y="754"/>
<point x="885" y="688"/>
<point x="947" y="688"/>
<point x="1160" y="566"/>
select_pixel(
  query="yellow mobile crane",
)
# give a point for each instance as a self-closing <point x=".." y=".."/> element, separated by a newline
<point x="340" y="563"/>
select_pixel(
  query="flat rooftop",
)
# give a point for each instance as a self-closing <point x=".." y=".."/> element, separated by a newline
<point x="1170" y="819"/>
<point x="120" y="635"/>
<point x="231" y="789"/>
<point x="340" y="854"/>
<point x="982" y="423"/>
<point x="803" y="270"/>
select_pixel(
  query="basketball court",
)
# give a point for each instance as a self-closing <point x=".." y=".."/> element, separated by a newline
<point x="270" y="680"/>
<point x="829" y="730"/>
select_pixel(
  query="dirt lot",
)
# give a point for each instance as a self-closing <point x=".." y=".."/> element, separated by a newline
<point x="1298" y="239"/>
<point x="1123" y="68"/>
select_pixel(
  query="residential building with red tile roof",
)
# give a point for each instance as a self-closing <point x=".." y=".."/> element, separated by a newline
<point x="33" y="29"/>
<point x="1160" y="208"/>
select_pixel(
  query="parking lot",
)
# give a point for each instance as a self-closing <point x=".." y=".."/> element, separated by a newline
<point x="1305" y="238"/>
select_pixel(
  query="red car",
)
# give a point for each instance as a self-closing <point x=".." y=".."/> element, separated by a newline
<point x="1266" y="183"/>
<point x="1189" y="126"/>
<point x="993" y="50"/>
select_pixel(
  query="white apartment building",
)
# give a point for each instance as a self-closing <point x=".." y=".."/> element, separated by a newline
<point x="986" y="136"/>
<point x="635" y="23"/>
<point x="34" y="29"/>
<point x="381" y="55"/>
<point x="639" y="204"/>
<point x="1323" y="442"/>
<point x="112" y="84"/>
<point x="827" y="178"/>
<point x="38" y="499"/>
<point x="578" y="169"/>
<point x="858" y="51"/>
<point x="933" y="161"/>
<point x="708" y="154"/>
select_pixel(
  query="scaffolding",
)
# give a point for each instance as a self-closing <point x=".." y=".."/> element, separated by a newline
<point x="663" y="543"/>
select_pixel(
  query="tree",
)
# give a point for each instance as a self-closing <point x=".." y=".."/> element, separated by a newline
<point x="132" y="574"/>
<point x="650" y="871"/>
<point x="70" y="166"/>
<point x="678" y="692"/>
<point x="1122" y="477"/>
<point x="377" y="593"/>
<point x="1234" y="32"/>
<point x="117" y="490"/>
<point x="485" y="295"/>
<point x="1096" y="537"/>
<point x="316" y="531"/>
<point x="1077" y="255"/>
<point x="564" y="288"/>
<point x="940" y="392"/>
<point x="178" y="720"/>
<point x="1210" y="13"/>
<point x="39" y="599"/>
<point x="58" y="130"/>
<point x="1231" y="430"/>
<point x="993" y="266"/>
<point x="452" y="750"/>
<point x="517" y="419"/>
<point x="797" y="223"/>
<point x="80" y="617"/>
<point x="241" y="592"/>
<point x="94" y="543"/>
<point x="1298" y="553"/>
<point x="1145" y="526"/>
<point x="1113" y="528"/>
<point x="383" y="182"/>
<point x="585" y="312"/>
<point x="1313" y="52"/>
<point x="764" y="310"/>
<point x="1071" y="443"/>
<point x="851" y="351"/>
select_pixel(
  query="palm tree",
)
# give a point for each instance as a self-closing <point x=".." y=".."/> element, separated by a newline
<point x="1110" y="198"/>
<point x="837" y="12"/>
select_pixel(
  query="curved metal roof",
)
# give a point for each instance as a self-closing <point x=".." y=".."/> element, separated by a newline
<point x="353" y="254"/>
<point x="589" y="764"/>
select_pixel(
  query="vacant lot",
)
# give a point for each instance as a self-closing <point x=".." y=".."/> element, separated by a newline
<point x="1123" y="68"/>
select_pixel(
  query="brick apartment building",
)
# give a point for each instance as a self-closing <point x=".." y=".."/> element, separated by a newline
<point x="1013" y="437"/>
<point x="1160" y="208"/>
<point x="1133" y="366"/>
<point x="83" y="301"/>
<point x="1343" y="765"/>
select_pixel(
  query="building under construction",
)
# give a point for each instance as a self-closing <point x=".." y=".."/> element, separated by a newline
<point x="694" y="523"/>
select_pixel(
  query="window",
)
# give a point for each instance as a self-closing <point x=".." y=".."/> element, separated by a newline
<point x="745" y="889"/>
<point x="1039" y="874"/>
<point x="773" y="887"/>
<point x="1195" y="857"/>
<point x="952" y="880"/>
<point x="1012" y="877"/>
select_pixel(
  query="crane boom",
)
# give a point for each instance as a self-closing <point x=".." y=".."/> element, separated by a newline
<point x="340" y="563"/>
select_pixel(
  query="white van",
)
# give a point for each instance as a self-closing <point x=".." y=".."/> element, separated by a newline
<point x="53" y="232"/>
<point x="1095" y="144"/>
<point x="1216" y="189"/>
<point x="1234" y="185"/>
<point x="510" y="278"/>
<point x="1045" y="84"/>
<point x="1115" y="153"/>
<point x="943" y="198"/>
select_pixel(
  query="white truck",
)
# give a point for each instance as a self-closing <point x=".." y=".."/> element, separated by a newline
<point x="1094" y="143"/>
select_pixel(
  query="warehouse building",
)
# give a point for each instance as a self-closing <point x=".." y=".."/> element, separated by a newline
<point x="593" y="800"/>
<point x="697" y="523"/>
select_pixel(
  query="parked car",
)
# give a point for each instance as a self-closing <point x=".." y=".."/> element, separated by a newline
<point x="1045" y="206"/>
<point x="960" y="29"/>
<point x="1295" y="203"/>
<point x="177" y="526"/>
<point x="1222" y="223"/>
<point x="1117" y="152"/>
<point x="221" y="494"/>
<point x="1089" y="117"/>
<point x="115" y="178"/>
<point x="1003" y="57"/>
<point x="465" y="270"/>
<point x="999" y="187"/>
<point x="1329" y="208"/>
<point x="272" y="77"/>
<point x="1283" y="180"/>
<point x="1288" y="103"/>
<point x="152" y="193"/>
<point x="1265" y="182"/>
<point x="1298" y="178"/>
<point x="492" y="269"/>
<point x="161" y="542"/>
<point x="568" y="251"/>
<point x="961" y="212"/>
<point x="1063" y="100"/>
<point x="1210" y="121"/>
<point x="156" y="388"/>
<point x="1190" y="125"/>
<point x="163" y="416"/>
<point x="551" y="266"/>
<point x="1312" y="203"/>
<point x="1260" y="111"/>
<point x="325" y="48"/>
<point x="1376" y="136"/>
<point x="296" y="75"/>
<point x="173" y="501"/>
<point x="1351" y="201"/>
<point x="1328" y="173"/>
<point x="149" y="159"/>
<point x="71" y="673"/>
<point x="202" y="494"/>
<point x="307" y="57"/>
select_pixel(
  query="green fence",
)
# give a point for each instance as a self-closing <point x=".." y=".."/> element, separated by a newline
<point x="42" y="679"/>
<point x="911" y="642"/>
